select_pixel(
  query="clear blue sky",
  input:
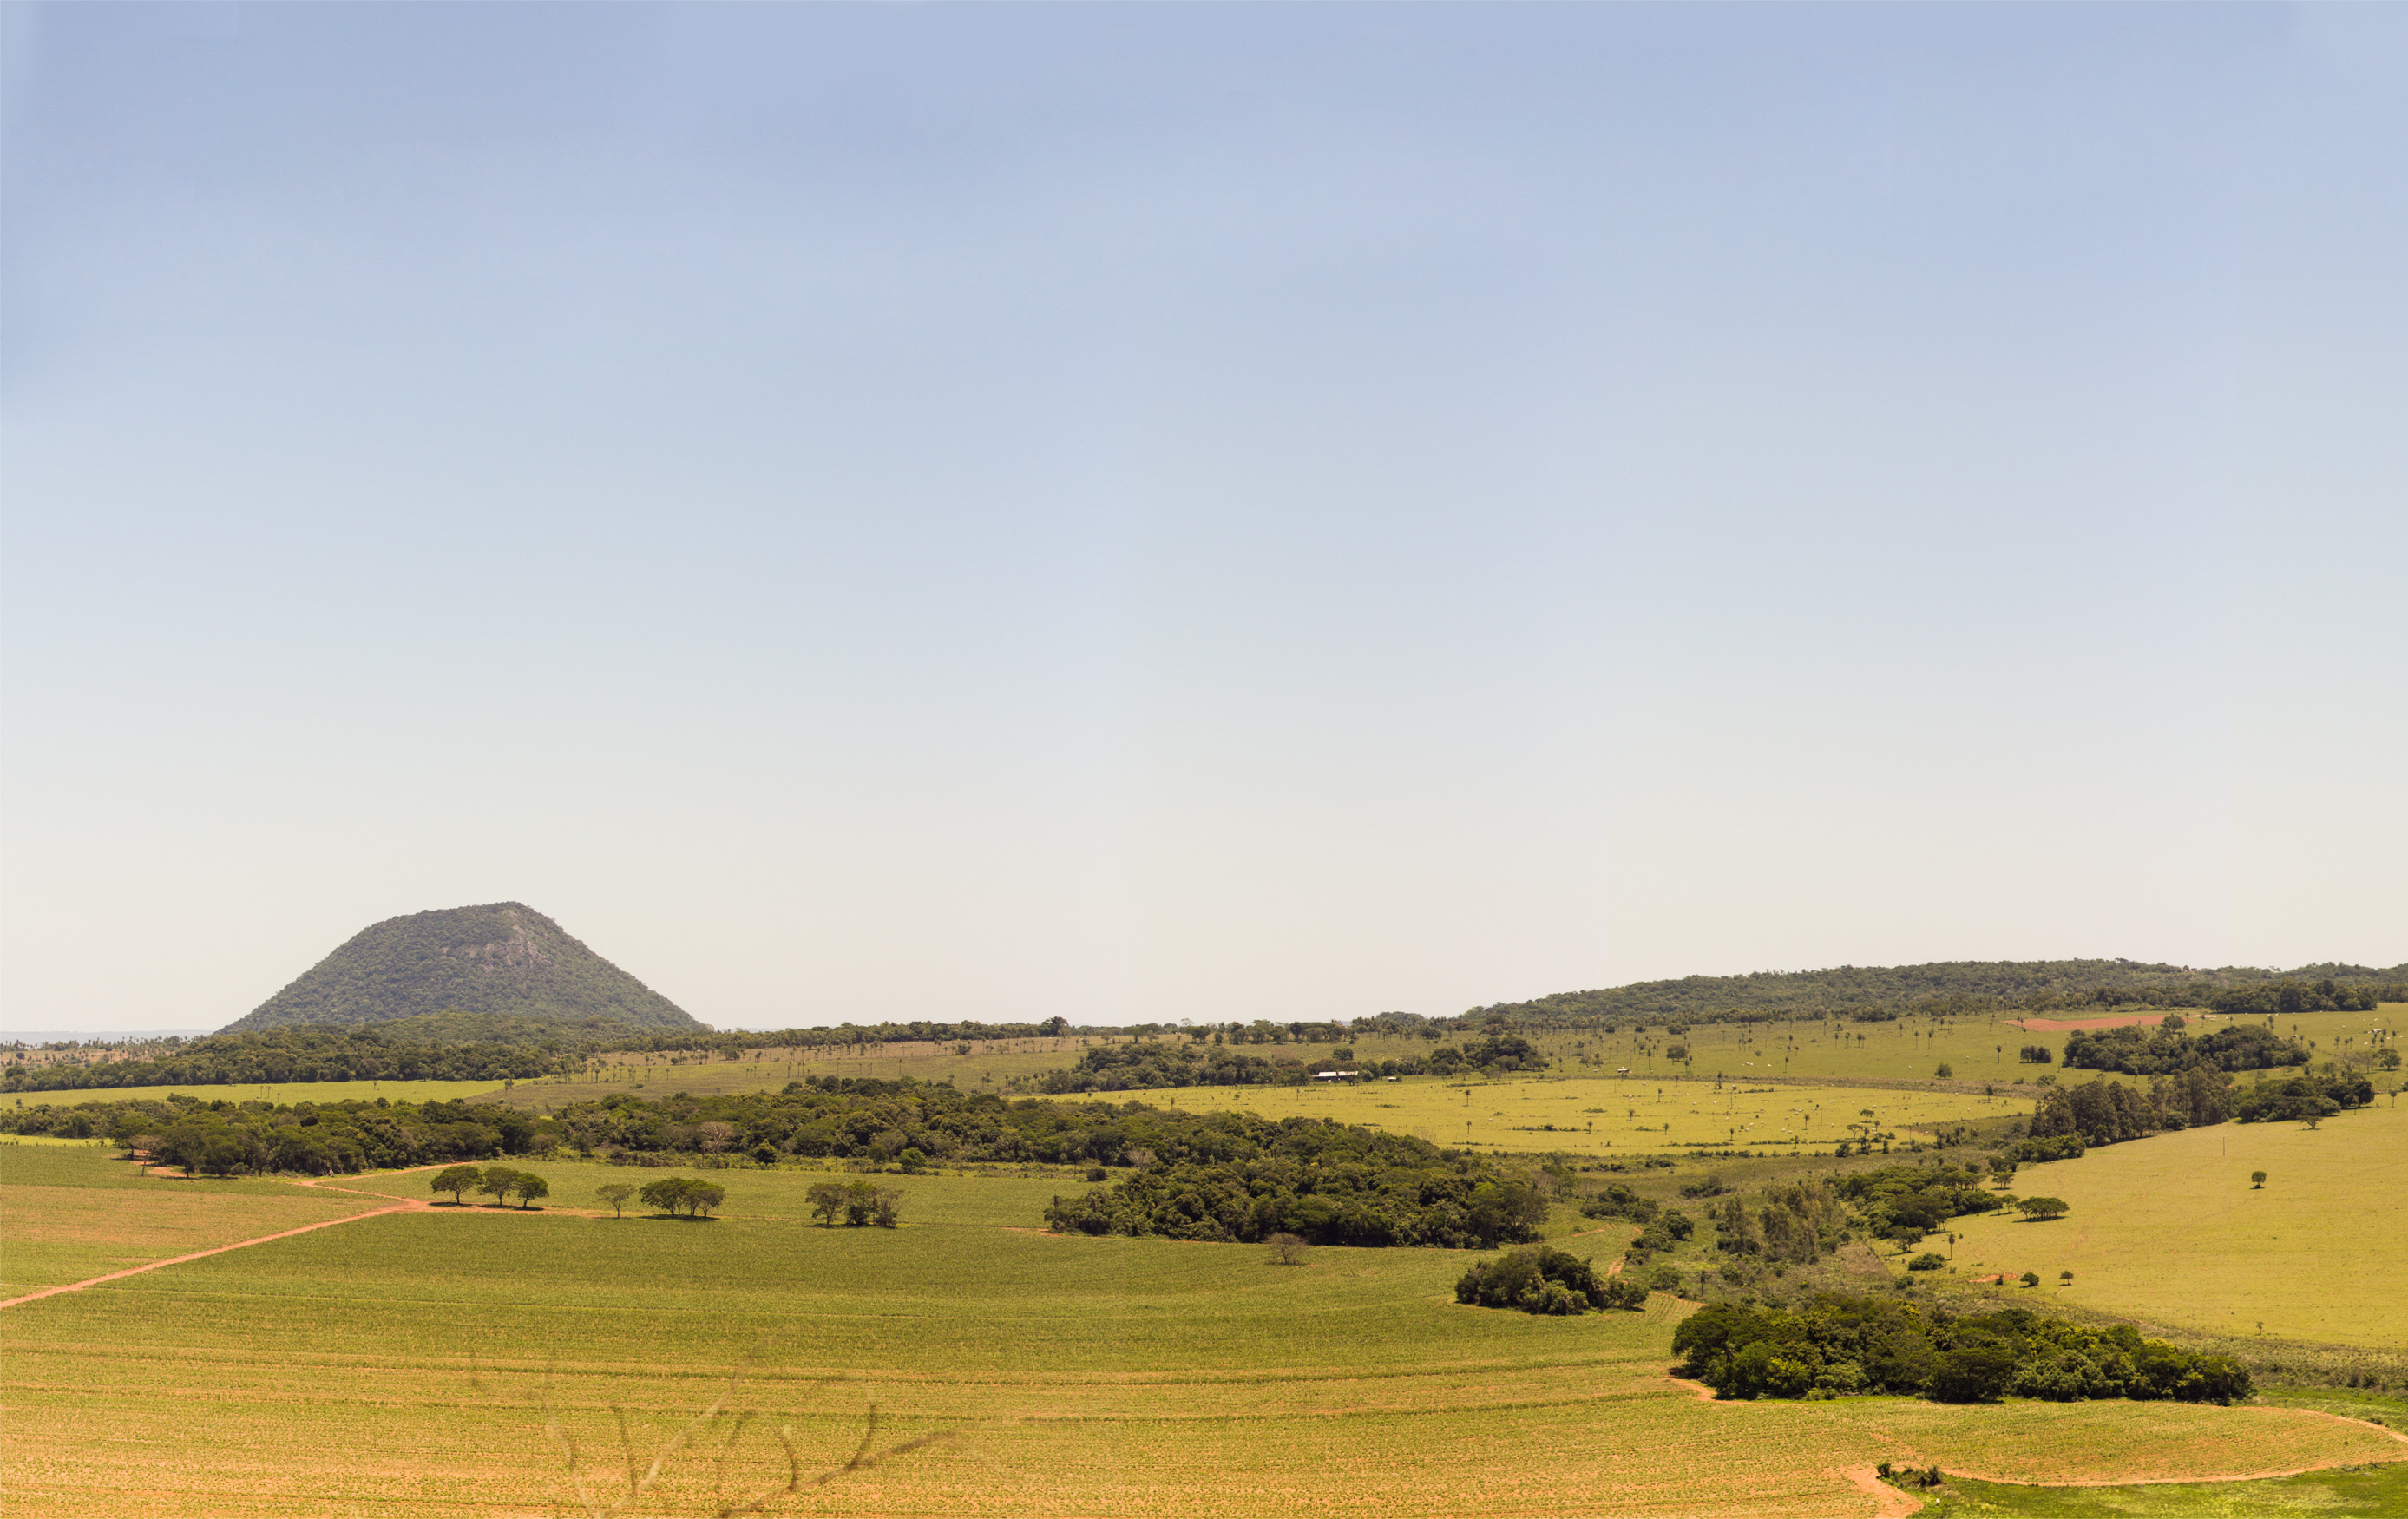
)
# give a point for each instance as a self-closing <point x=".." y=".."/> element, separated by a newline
<point x="1152" y="511"/>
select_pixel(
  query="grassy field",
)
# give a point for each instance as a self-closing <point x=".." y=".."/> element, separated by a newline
<point x="2170" y="1230"/>
<point x="401" y="1365"/>
<point x="1605" y="1116"/>
<point x="2378" y="1492"/>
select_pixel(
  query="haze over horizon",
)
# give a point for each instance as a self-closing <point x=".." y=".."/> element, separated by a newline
<point x="1180" y="512"/>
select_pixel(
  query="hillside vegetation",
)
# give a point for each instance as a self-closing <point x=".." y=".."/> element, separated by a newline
<point x="503" y="959"/>
<point x="1966" y="986"/>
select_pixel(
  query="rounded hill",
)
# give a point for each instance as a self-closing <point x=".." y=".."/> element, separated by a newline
<point x="501" y="960"/>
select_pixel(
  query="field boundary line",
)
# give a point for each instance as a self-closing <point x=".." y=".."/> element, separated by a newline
<point x="198" y="1254"/>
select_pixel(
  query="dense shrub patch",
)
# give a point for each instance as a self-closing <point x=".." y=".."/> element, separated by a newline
<point x="1838" y="1345"/>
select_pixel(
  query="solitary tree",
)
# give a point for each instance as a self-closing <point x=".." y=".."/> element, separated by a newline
<point x="616" y="1194"/>
<point x="2256" y="1180"/>
<point x="2039" y="1209"/>
<point x="2065" y="1276"/>
<point x="2029" y="1278"/>
<point x="1288" y="1248"/>
<point x="456" y="1179"/>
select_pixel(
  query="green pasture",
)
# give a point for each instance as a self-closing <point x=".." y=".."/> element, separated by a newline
<point x="2169" y="1231"/>
<point x="263" y="1092"/>
<point x="1606" y="1117"/>
<point x="2374" y="1492"/>
<point x="404" y="1365"/>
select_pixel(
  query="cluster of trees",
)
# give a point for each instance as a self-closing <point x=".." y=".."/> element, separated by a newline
<point x="2034" y="1054"/>
<point x="855" y="1203"/>
<point x="276" y="1055"/>
<point x="2165" y="1049"/>
<point x="217" y="1138"/>
<point x="1324" y="1183"/>
<point x="499" y="1182"/>
<point x="1795" y="1225"/>
<point x="1154" y="1064"/>
<point x="1902" y="1200"/>
<point x="2102" y="1112"/>
<point x="2309" y="1096"/>
<point x="1838" y="1345"/>
<point x="1546" y="1281"/>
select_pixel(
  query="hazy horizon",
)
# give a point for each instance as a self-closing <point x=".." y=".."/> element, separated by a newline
<point x="1157" y="513"/>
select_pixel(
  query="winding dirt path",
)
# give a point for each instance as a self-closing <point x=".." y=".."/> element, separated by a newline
<point x="1888" y="1502"/>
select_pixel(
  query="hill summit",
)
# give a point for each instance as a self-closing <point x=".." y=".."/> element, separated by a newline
<point x="502" y="960"/>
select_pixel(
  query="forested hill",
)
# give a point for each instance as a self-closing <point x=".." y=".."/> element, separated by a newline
<point x="504" y="960"/>
<point x="1951" y="985"/>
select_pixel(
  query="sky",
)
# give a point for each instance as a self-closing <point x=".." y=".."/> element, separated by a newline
<point x="1141" y="513"/>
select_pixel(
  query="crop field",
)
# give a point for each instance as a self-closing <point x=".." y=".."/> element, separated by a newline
<point x="2169" y="1229"/>
<point x="279" y="1091"/>
<point x="402" y="1365"/>
<point x="1609" y="1116"/>
<point x="70" y="1212"/>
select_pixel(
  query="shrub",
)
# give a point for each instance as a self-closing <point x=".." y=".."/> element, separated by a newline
<point x="1927" y="1261"/>
<point x="1538" y="1280"/>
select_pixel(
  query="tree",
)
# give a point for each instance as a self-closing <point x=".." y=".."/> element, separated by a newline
<point x="2029" y="1278"/>
<point x="684" y="1195"/>
<point x="826" y="1200"/>
<point x="456" y="1179"/>
<point x="1288" y="1248"/>
<point x="1945" y="1073"/>
<point x="885" y="1206"/>
<point x="2065" y="1276"/>
<point x="499" y="1182"/>
<point x="616" y="1194"/>
<point x="2040" y="1210"/>
<point x="532" y="1186"/>
<point x="2256" y="1180"/>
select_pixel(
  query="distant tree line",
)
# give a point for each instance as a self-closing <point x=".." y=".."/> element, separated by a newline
<point x="2325" y="994"/>
<point x="1840" y="1345"/>
<point x="1154" y="1064"/>
<point x="307" y="1052"/>
<point x="219" y="1138"/>
<point x="1953" y="989"/>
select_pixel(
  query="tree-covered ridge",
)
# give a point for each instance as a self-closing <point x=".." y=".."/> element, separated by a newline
<point x="1838" y="1346"/>
<point x="503" y="958"/>
<point x="1952" y="987"/>
<point x="381" y="1051"/>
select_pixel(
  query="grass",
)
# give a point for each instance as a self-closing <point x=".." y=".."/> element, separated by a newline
<point x="399" y="1365"/>
<point x="2169" y="1229"/>
<point x="2378" y="1492"/>
<point x="1604" y="1117"/>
